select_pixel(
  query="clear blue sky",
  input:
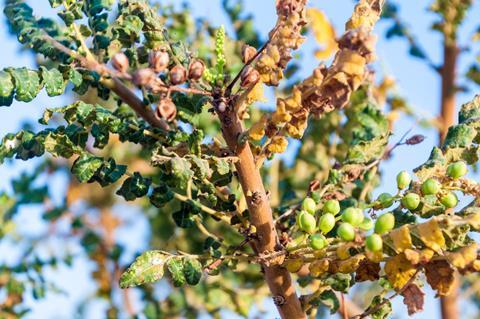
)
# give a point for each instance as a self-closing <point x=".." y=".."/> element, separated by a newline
<point x="416" y="81"/>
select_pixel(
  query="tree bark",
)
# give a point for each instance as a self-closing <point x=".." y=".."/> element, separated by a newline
<point x="449" y="304"/>
<point x="277" y="277"/>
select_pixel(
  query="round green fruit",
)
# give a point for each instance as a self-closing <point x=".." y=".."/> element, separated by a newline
<point x="353" y="216"/>
<point x="430" y="187"/>
<point x="307" y="222"/>
<point x="366" y="225"/>
<point x="309" y="205"/>
<point x="346" y="232"/>
<point x="326" y="223"/>
<point x="386" y="200"/>
<point x="457" y="169"/>
<point x="374" y="242"/>
<point x="331" y="206"/>
<point x="317" y="241"/>
<point x="403" y="179"/>
<point x="411" y="201"/>
<point x="449" y="200"/>
<point x="384" y="223"/>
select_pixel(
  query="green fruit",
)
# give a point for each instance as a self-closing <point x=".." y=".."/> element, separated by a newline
<point x="384" y="223"/>
<point x="403" y="179"/>
<point x="386" y="200"/>
<point x="411" y="201"/>
<point x="307" y="222"/>
<point x="346" y="232"/>
<point x="366" y="225"/>
<point x="430" y="187"/>
<point x="457" y="169"/>
<point x="353" y="216"/>
<point x="318" y="241"/>
<point x="331" y="206"/>
<point x="449" y="200"/>
<point x="326" y="223"/>
<point x="309" y="205"/>
<point x="374" y="242"/>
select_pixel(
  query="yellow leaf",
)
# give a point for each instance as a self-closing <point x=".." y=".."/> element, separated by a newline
<point x="323" y="32"/>
<point x="278" y="144"/>
<point x="364" y="15"/>
<point x="463" y="257"/>
<point x="257" y="130"/>
<point x="375" y="256"/>
<point x="431" y="235"/>
<point x="343" y="251"/>
<point x="319" y="267"/>
<point x="256" y="94"/>
<point x="419" y="256"/>
<point x="351" y="264"/>
<point x="293" y="265"/>
<point x="401" y="238"/>
<point x="399" y="271"/>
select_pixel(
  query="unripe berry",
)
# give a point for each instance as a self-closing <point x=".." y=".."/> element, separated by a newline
<point x="384" y="223"/>
<point x="326" y="223"/>
<point x="178" y="75"/>
<point x="374" y="242"/>
<point x="457" y="169"/>
<point x="317" y="241"/>
<point x="158" y="60"/>
<point x="411" y="201"/>
<point x="346" y="232"/>
<point x="120" y="62"/>
<point x="430" y="187"/>
<point x="195" y="70"/>
<point x="366" y="225"/>
<point x="353" y="216"/>
<point x="309" y="205"/>
<point x="403" y="180"/>
<point x="449" y="200"/>
<point x="385" y="199"/>
<point x="307" y="222"/>
<point x="331" y="206"/>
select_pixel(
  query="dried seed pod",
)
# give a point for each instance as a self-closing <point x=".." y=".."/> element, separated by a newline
<point x="195" y="70"/>
<point x="250" y="77"/>
<point x="248" y="52"/>
<point x="143" y="77"/>
<point x="158" y="60"/>
<point x="166" y="109"/>
<point x="178" y="75"/>
<point x="120" y="62"/>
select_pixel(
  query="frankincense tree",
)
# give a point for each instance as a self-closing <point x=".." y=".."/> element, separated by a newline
<point x="166" y="114"/>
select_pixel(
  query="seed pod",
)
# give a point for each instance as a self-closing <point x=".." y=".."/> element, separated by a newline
<point x="250" y="77"/>
<point x="120" y="62"/>
<point x="158" y="60"/>
<point x="178" y="75"/>
<point x="309" y="205"/>
<point x="166" y="109"/>
<point x="384" y="223"/>
<point x="403" y="180"/>
<point x="195" y="70"/>
<point x="248" y="52"/>
<point x="144" y="77"/>
<point x="374" y="242"/>
<point x="317" y="241"/>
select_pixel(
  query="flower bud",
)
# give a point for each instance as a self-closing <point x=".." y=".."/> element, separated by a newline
<point x="166" y="109"/>
<point x="144" y="77"/>
<point x="250" y="77"/>
<point x="158" y="60"/>
<point x="178" y="75"/>
<point x="248" y="52"/>
<point x="120" y="62"/>
<point x="195" y="70"/>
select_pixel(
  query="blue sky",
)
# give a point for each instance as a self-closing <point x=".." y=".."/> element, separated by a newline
<point x="416" y="81"/>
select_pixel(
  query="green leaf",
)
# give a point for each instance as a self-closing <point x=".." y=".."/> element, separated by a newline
<point x="134" y="187"/>
<point x="85" y="166"/>
<point x="367" y="151"/>
<point x="202" y="168"/>
<point x="147" y="268"/>
<point x="460" y="135"/>
<point x="330" y="300"/>
<point x="75" y="77"/>
<point x="59" y="145"/>
<point x="176" y="271"/>
<point x="339" y="282"/>
<point x="192" y="269"/>
<point x="27" y="83"/>
<point x="6" y="89"/>
<point x="109" y="173"/>
<point x="53" y="81"/>
<point x="161" y="195"/>
<point x="383" y="311"/>
<point x="180" y="168"/>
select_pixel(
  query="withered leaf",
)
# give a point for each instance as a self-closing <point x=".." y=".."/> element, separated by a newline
<point x="413" y="298"/>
